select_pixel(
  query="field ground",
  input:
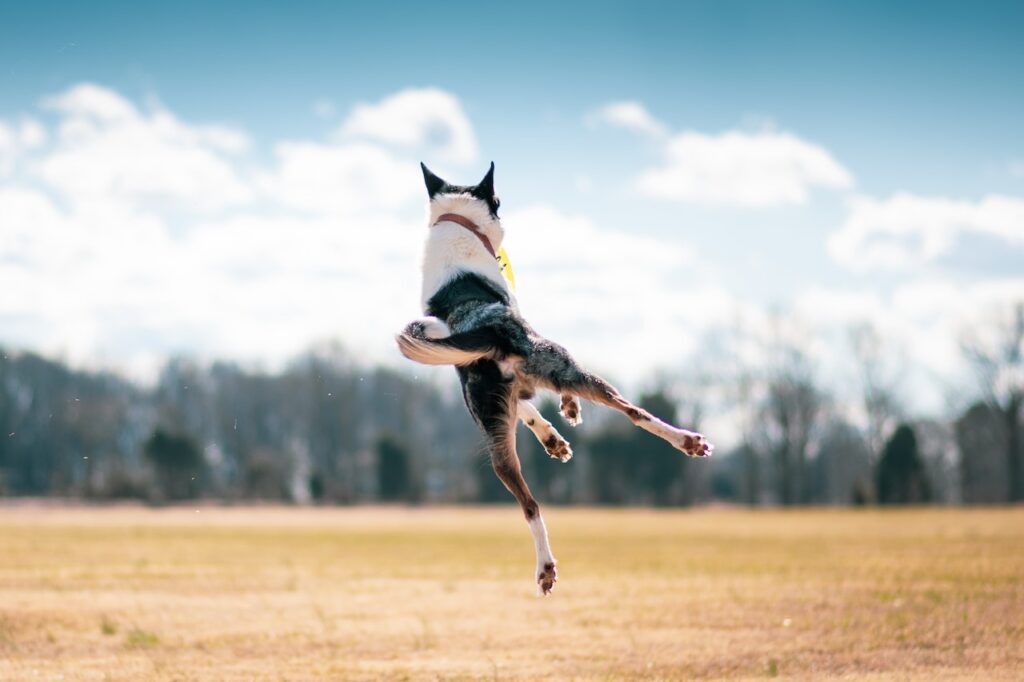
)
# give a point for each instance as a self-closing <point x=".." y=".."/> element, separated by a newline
<point x="368" y="593"/>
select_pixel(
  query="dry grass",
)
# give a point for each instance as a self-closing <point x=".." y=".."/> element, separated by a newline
<point x="298" y="594"/>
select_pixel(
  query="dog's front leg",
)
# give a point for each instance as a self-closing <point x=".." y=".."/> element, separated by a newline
<point x="554" y="444"/>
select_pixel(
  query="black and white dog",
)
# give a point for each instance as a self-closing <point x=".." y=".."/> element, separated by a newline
<point x="473" y="322"/>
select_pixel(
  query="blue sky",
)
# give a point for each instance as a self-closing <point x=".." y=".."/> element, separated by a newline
<point x="839" y="162"/>
<point x="921" y="73"/>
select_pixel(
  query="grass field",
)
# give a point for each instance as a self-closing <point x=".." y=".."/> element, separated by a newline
<point x="300" y="594"/>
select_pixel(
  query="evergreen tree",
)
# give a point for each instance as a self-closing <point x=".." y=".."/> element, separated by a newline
<point x="901" y="475"/>
<point x="393" y="478"/>
<point x="177" y="462"/>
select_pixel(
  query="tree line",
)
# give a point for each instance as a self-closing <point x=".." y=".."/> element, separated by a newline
<point x="330" y="429"/>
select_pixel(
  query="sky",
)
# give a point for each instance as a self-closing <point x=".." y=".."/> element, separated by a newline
<point x="240" y="180"/>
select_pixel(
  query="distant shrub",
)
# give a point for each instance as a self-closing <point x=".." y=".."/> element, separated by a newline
<point x="141" y="639"/>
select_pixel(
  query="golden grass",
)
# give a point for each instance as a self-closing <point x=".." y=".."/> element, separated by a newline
<point x="303" y="594"/>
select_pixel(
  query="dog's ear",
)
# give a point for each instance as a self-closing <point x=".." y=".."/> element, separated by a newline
<point x="434" y="184"/>
<point x="486" y="186"/>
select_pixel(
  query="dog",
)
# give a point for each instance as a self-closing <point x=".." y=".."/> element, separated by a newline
<point x="473" y="322"/>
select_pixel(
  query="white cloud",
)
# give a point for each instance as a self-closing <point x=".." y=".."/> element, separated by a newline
<point x="108" y="150"/>
<point x="426" y="119"/>
<point x="345" y="179"/>
<point x="93" y="100"/>
<point x="109" y="281"/>
<point x="733" y="168"/>
<point x="631" y="116"/>
<point x="18" y="139"/>
<point x="31" y="134"/>
<point x="746" y="169"/>
<point x="905" y="231"/>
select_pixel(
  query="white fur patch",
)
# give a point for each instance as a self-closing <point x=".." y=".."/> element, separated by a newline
<point x="540" y="539"/>
<point x="451" y="248"/>
<point x="676" y="436"/>
<point x="433" y="327"/>
<point x="540" y="542"/>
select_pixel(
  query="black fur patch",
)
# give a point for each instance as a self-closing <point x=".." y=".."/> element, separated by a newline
<point x="461" y="290"/>
<point x="485" y="391"/>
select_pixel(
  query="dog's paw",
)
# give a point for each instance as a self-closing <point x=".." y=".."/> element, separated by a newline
<point x="558" y="447"/>
<point x="693" y="444"/>
<point x="547" y="576"/>
<point x="571" y="410"/>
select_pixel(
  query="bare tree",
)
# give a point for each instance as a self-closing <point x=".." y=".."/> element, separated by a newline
<point x="734" y="388"/>
<point x="981" y="441"/>
<point x="767" y="385"/>
<point x="790" y="414"/>
<point x="997" y="356"/>
<point x="842" y="468"/>
<point x="727" y="369"/>
<point x="878" y="382"/>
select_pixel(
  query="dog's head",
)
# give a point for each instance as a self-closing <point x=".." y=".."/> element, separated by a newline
<point x="477" y="202"/>
<point x="483" y="191"/>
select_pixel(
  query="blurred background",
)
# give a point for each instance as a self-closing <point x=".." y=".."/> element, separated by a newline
<point x="797" y="227"/>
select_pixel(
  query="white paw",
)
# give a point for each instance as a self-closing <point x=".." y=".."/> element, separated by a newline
<point x="571" y="410"/>
<point x="547" y="576"/>
<point x="557" y="447"/>
<point x="692" y="444"/>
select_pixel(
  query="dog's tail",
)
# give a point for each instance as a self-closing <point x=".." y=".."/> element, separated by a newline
<point x="416" y="343"/>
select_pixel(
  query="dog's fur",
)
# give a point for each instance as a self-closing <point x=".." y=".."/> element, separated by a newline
<point x="473" y="322"/>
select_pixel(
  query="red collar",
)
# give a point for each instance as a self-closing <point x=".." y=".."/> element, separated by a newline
<point x="469" y="225"/>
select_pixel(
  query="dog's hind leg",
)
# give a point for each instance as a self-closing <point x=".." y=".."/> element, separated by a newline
<point x="506" y="465"/>
<point x="553" y="367"/>
<point x="598" y="390"/>
<point x="553" y="442"/>
<point x="492" y="402"/>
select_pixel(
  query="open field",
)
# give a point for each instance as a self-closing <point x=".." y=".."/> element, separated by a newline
<point x="298" y="594"/>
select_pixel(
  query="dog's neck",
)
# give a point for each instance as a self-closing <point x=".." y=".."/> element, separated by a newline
<point x="472" y="209"/>
<point x="469" y="225"/>
<point x="453" y="248"/>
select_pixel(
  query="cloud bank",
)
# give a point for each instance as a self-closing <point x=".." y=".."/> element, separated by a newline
<point x="733" y="168"/>
<point x="906" y="231"/>
<point x="130" y="234"/>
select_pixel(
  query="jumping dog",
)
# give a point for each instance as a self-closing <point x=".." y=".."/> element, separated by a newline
<point x="473" y="322"/>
